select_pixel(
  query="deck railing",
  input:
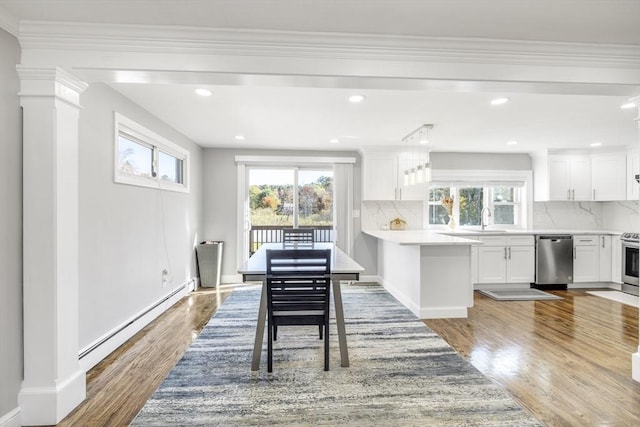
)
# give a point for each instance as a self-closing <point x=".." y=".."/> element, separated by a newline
<point x="260" y="234"/>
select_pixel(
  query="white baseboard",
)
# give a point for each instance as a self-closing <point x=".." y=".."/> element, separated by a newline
<point x="11" y="418"/>
<point x="444" y="313"/>
<point x="370" y="279"/>
<point x="105" y="345"/>
<point x="635" y="366"/>
<point x="49" y="405"/>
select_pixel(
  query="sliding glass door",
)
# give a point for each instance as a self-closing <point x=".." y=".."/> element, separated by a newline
<point x="280" y="197"/>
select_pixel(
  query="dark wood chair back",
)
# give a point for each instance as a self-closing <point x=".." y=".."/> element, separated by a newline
<point x="298" y="292"/>
<point x="301" y="236"/>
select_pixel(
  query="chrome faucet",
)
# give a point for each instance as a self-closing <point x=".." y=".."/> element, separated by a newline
<point x="482" y="223"/>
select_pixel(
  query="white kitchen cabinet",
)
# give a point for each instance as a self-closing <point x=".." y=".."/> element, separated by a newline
<point x="506" y="259"/>
<point x="616" y="259"/>
<point x="605" y="256"/>
<point x="383" y="177"/>
<point x="380" y="176"/>
<point x="633" y="169"/>
<point x="569" y="178"/>
<point x="561" y="176"/>
<point x="586" y="259"/>
<point x="609" y="176"/>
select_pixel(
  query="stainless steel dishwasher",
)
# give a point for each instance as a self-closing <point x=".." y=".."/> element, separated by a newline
<point x="554" y="260"/>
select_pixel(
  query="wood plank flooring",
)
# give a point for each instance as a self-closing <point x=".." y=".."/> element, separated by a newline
<point x="566" y="361"/>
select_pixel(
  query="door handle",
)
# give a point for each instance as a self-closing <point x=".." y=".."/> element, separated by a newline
<point x="509" y="252"/>
<point x="602" y="237"/>
<point x="505" y="253"/>
<point x="573" y="194"/>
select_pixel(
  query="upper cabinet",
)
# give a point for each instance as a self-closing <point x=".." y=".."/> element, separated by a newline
<point x="383" y="177"/>
<point x="584" y="176"/>
<point x="633" y="169"/>
<point x="380" y="176"/>
<point x="609" y="176"/>
<point x="561" y="177"/>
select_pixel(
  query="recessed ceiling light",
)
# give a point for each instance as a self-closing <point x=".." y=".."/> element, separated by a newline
<point x="499" y="101"/>
<point x="512" y="142"/>
<point x="334" y="140"/>
<point x="240" y="137"/>
<point x="628" y="105"/>
<point x="354" y="99"/>
<point x="595" y="144"/>
<point x="203" y="92"/>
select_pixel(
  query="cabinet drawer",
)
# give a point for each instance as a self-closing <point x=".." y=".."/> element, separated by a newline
<point x="493" y="240"/>
<point x="520" y="241"/>
<point x="585" y="240"/>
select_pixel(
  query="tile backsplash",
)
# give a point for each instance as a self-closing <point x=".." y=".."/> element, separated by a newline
<point x="614" y="216"/>
<point x="378" y="213"/>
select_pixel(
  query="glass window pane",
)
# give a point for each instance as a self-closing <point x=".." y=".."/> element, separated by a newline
<point x="271" y="197"/>
<point x="438" y="213"/>
<point x="315" y="198"/>
<point x="470" y="205"/>
<point x="169" y="168"/>
<point x="504" y="214"/>
<point x="134" y="158"/>
<point x="502" y="194"/>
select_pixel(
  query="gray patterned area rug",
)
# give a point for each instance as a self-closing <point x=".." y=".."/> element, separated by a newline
<point x="401" y="374"/>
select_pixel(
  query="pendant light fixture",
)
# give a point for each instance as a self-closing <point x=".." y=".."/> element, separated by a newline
<point x="417" y="161"/>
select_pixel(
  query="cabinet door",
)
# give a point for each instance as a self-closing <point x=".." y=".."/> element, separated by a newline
<point x="586" y="264"/>
<point x="616" y="260"/>
<point x="520" y="264"/>
<point x="580" y="178"/>
<point x="559" y="179"/>
<point x="609" y="176"/>
<point x="380" y="177"/>
<point x="605" y="258"/>
<point x="492" y="264"/>
<point x="633" y="169"/>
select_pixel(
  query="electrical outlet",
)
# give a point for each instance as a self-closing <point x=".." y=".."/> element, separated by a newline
<point x="165" y="277"/>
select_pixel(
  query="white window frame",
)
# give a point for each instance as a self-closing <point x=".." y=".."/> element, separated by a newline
<point x="144" y="136"/>
<point x="457" y="179"/>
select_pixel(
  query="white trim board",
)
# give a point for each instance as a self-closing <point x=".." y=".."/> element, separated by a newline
<point x="11" y="418"/>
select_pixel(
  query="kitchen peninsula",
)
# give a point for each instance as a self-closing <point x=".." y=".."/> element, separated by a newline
<point x="429" y="272"/>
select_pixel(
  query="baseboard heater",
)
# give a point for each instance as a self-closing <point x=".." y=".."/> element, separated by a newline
<point x="132" y="321"/>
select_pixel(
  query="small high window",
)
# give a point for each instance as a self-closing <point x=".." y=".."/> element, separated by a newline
<point x="146" y="159"/>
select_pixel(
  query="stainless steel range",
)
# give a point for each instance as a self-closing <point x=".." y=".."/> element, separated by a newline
<point x="630" y="245"/>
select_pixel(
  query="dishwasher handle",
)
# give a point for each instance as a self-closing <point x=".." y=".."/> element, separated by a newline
<point x="554" y="238"/>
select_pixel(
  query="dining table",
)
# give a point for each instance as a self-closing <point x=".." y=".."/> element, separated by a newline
<point x="343" y="268"/>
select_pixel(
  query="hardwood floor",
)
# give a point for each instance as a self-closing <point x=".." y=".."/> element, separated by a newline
<point x="119" y="386"/>
<point x="567" y="361"/>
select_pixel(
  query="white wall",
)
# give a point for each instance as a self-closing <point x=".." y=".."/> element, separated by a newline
<point x="220" y="196"/>
<point x="11" y="353"/>
<point x="128" y="234"/>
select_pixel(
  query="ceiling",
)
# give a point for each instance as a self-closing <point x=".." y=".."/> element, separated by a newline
<point x="285" y="114"/>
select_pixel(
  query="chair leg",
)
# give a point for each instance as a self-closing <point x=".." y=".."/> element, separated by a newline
<point x="270" y="347"/>
<point x="326" y="347"/>
<point x="320" y="327"/>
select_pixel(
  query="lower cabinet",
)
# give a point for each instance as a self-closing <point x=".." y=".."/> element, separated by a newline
<point x="506" y="259"/>
<point x="586" y="259"/>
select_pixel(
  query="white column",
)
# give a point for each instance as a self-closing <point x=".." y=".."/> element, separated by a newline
<point x="635" y="357"/>
<point x="53" y="383"/>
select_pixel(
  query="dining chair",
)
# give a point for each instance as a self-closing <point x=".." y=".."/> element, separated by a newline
<point x="298" y="292"/>
<point x="302" y="236"/>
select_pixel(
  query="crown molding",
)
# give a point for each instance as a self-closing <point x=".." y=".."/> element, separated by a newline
<point x="206" y="41"/>
<point x="8" y="22"/>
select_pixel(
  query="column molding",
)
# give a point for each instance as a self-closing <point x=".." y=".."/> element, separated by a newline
<point x="54" y="383"/>
<point x="635" y="357"/>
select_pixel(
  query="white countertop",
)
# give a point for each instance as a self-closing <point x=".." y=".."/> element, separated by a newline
<point x="420" y="237"/>
<point x="457" y="237"/>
